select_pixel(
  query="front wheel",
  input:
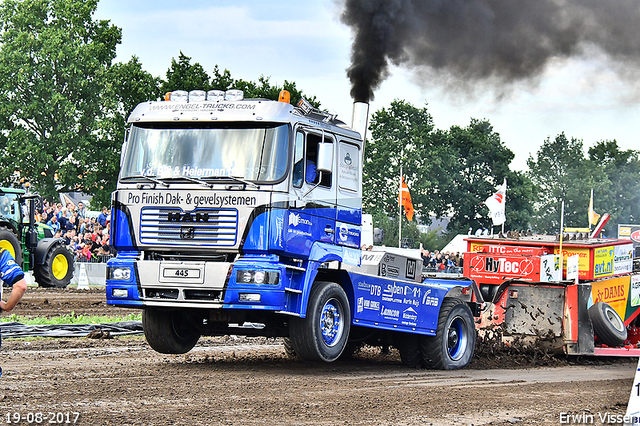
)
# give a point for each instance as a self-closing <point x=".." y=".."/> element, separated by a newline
<point x="452" y="346"/>
<point x="323" y="334"/>
<point x="169" y="331"/>
<point x="57" y="269"/>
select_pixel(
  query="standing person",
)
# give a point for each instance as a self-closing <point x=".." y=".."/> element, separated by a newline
<point x="102" y="217"/>
<point x="82" y="212"/>
<point x="12" y="275"/>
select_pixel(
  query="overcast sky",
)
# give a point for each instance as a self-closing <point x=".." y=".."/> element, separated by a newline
<point x="305" y="42"/>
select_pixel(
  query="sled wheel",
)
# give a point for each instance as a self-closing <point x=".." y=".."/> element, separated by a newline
<point x="57" y="269"/>
<point x="607" y="324"/>
<point x="10" y="242"/>
<point x="169" y="331"/>
<point x="408" y="345"/>
<point x="452" y="346"/>
<point x="323" y="334"/>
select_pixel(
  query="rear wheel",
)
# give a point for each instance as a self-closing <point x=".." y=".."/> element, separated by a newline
<point x="452" y="346"/>
<point x="168" y="331"/>
<point x="607" y="324"/>
<point x="323" y="334"/>
<point x="57" y="269"/>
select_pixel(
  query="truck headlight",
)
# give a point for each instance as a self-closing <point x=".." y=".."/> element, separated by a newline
<point x="258" y="277"/>
<point x="119" y="273"/>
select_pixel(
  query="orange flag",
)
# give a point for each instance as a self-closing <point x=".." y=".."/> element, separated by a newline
<point x="405" y="200"/>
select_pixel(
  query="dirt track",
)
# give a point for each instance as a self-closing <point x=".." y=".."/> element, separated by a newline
<point x="251" y="382"/>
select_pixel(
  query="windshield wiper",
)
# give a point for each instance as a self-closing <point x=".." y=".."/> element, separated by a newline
<point x="151" y="179"/>
<point x="241" y="180"/>
<point x="191" y="179"/>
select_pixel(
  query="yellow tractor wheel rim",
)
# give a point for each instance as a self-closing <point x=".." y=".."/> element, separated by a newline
<point x="60" y="266"/>
<point x="6" y="244"/>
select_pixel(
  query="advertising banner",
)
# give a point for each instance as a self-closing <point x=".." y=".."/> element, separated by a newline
<point x="487" y="268"/>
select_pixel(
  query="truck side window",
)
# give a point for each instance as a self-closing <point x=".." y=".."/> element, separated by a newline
<point x="298" y="160"/>
<point x="311" y="174"/>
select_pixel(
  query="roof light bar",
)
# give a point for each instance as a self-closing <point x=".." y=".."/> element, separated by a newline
<point x="201" y="95"/>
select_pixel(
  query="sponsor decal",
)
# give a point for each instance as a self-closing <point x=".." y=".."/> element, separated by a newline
<point x="173" y="198"/>
<point x="344" y="232"/>
<point x="635" y="290"/>
<point x="360" y="304"/>
<point x="295" y="220"/>
<point x="614" y="291"/>
<point x="202" y="106"/>
<point x="411" y="268"/>
<point x="603" y="262"/>
<point x="429" y="300"/>
<point x="390" y="313"/>
<point x="410" y="314"/>
<point x="623" y="259"/>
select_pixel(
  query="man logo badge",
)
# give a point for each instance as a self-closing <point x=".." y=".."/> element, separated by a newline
<point x="187" y="233"/>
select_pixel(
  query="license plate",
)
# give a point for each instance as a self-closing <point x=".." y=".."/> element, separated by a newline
<point x="178" y="273"/>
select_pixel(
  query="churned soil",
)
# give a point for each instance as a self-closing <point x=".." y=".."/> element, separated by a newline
<point x="250" y="381"/>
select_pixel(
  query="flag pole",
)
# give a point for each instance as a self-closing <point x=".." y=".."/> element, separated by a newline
<point x="400" y="207"/>
<point x="561" y="235"/>
<point x="590" y="210"/>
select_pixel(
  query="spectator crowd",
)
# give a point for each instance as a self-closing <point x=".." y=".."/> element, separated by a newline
<point x="88" y="238"/>
<point x="435" y="261"/>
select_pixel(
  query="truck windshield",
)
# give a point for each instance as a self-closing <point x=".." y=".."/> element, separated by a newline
<point x="166" y="150"/>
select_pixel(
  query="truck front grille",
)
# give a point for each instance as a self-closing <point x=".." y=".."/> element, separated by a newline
<point x="202" y="227"/>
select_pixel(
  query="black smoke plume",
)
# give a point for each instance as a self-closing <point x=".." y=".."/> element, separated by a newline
<point x="499" y="42"/>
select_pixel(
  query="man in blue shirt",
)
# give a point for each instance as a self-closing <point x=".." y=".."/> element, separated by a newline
<point x="102" y="217"/>
<point x="12" y="275"/>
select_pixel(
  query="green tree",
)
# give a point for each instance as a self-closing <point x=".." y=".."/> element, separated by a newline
<point x="621" y="196"/>
<point x="127" y="86"/>
<point x="482" y="164"/>
<point x="182" y="75"/>
<point x="560" y="172"/>
<point x="401" y="135"/>
<point x="53" y="61"/>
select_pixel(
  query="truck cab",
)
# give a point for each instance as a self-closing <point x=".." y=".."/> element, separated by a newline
<point x="242" y="216"/>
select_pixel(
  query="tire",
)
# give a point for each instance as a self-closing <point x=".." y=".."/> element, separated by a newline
<point x="408" y="345"/>
<point x="288" y="348"/>
<point x="169" y="331"/>
<point x="10" y="242"/>
<point x="57" y="269"/>
<point x="323" y="334"/>
<point x="452" y="346"/>
<point x="607" y="324"/>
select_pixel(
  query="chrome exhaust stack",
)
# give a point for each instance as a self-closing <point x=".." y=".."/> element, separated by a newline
<point x="360" y="119"/>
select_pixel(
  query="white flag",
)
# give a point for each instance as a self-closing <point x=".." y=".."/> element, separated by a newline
<point x="496" y="204"/>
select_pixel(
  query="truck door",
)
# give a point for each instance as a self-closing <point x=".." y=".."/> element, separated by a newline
<point x="312" y="214"/>
<point x="349" y="189"/>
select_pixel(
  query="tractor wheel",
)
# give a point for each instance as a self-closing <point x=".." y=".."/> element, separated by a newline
<point x="169" y="331"/>
<point x="57" y="269"/>
<point x="10" y="242"/>
<point x="323" y="334"/>
<point x="607" y="324"/>
<point x="452" y="346"/>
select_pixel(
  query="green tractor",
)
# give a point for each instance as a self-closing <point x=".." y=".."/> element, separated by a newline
<point x="32" y="243"/>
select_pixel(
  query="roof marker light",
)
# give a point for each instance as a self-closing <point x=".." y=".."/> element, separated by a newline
<point x="215" y="95"/>
<point x="234" y="95"/>
<point x="179" y="96"/>
<point x="197" y="95"/>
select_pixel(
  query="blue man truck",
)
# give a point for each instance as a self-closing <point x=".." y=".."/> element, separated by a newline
<point x="243" y="216"/>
